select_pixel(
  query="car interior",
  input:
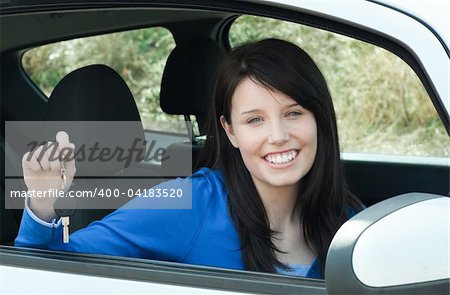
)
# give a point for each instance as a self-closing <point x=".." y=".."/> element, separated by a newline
<point x="98" y="93"/>
<point x="197" y="58"/>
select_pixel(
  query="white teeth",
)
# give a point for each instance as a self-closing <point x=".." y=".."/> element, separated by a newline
<point x="281" y="158"/>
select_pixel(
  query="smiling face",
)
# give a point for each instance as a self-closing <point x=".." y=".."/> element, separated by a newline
<point x="277" y="138"/>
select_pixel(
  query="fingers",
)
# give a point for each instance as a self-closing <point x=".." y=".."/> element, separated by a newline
<point x="48" y="157"/>
<point x="53" y="156"/>
<point x="68" y="154"/>
<point x="44" y="160"/>
<point x="30" y="160"/>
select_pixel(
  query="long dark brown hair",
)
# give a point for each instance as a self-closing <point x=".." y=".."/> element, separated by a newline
<point x="323" y="202"/>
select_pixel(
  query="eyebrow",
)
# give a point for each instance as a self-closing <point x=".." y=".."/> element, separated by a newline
<point x="257" y="110"/>
<point x="250" y="111"/>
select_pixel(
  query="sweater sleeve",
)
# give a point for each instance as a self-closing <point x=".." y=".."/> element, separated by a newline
<point x="135" y="230"/>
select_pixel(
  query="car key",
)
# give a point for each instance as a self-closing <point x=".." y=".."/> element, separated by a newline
<point x="64" y="208"/>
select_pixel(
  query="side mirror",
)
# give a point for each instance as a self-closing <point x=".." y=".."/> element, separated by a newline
<point x="398" y="246"/>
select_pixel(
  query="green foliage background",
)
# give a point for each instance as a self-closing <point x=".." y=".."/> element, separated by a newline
<point x="380" y="103"/>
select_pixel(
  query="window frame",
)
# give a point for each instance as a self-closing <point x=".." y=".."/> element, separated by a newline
<point x="145" y="270"/>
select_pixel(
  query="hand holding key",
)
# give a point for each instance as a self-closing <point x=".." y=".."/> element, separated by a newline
<point x="42" y="172"/>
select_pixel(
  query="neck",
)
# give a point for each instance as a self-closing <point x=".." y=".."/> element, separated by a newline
<point x="279" y="203"/>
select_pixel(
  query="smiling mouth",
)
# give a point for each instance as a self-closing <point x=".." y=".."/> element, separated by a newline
<point x="281" y="158"/>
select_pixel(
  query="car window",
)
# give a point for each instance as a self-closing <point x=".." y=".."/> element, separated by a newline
<point x="381" y="105"/>
<point x="138" y="56"/>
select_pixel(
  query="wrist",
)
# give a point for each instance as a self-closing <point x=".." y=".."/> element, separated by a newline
<point x="42" y="210"/>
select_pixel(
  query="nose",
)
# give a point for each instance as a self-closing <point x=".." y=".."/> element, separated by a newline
<point x="278" y="133"/>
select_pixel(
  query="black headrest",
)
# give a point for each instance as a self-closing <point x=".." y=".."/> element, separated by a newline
<point x="95" y="93"/>
<point x="92" y="93"/>
<point x="188" y="76"/>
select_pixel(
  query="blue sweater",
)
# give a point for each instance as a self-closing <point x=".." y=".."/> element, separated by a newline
<point x="203" y="235"/>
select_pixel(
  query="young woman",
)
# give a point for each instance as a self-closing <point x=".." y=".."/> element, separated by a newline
<point x="270" y="194"/>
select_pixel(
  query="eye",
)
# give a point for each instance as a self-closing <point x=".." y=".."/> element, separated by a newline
<point x="293" y="114"/>
<point x="254" y="120"/>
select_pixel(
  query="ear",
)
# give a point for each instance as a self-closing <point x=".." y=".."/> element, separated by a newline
<point x="229" y="131"/>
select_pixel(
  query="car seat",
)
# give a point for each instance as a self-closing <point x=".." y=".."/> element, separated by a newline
<point x="97" y="94"/>
<point x="186" y="89"/>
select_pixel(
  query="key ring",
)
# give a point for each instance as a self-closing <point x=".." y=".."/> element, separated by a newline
<point x="63" y="175"/>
